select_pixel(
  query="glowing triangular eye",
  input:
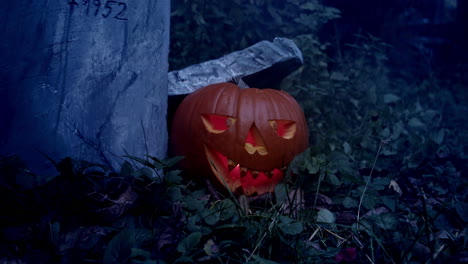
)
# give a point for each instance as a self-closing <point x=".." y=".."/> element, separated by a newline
<point x="217" y="123"/>
<point x="284" y="128"/>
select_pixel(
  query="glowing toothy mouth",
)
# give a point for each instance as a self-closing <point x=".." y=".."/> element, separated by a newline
<point x="239" y="178"/>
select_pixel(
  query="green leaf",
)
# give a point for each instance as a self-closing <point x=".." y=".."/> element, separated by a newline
<point x="367" y="142"/>
<point x="199" y="194"/>
<point x="126" y="169"/>
<point x="462" y="210"/>
<point x="138" y="252"/>
<point x="211" y="217"/>
<point x="338" y="76"/>
<point x="119" y="248"/>
<point x="272" y="11"/>
<point x="397" y="130"/>
<point x="372" y="94"/>
<point x="289" y="226"/>
<point x="231" y="228"/>
<point x="167" y="163"/>
<point x="174" y="177"/>
<point x="390" y="98"/>
<point x="144" y="172"/>
<point x="281" y="194"/>
<point x="385" y="133"/>
<point x="438" y="136"/>
<point x="220" y="211"/>
<point x="184" y="259"/>
<point x="172" y="161"/>
<point x="325" y="216"/>
<point x="312" y="166"/>
<point x="389" y="202"/>
<point x="260" y="260"/>
<point x="346" y="148"/>
<point x="292" y="228"/>
<point x="193" y="204"/>
<point x="388" y="152"/>
<point x="349" y="202"/>
<point x="174" y="193"/>
<point x="380" y="183"/>
<point x="157" y="164"/>
<point x="369" y="201"/>
<point x="416" y="123"/>
<point x="442" y="222"/>
<point x="141" y="161"/>
<point x="285" y="219"/>
<point x="194" y="223"/>
<point x="387" y="221"/>
<point x="148" y="261"/>
<point x="311" y="6"/>
<point x="188" y="243"/>
<point x="334" y="179"/>
<point x="227" y="209"/>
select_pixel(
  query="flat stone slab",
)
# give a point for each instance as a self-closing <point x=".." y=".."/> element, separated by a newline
<point x="261" y="65"/>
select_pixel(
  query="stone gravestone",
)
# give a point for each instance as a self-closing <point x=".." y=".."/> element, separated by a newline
<point x="83" y="78"/>
<point x="262" y="65"/>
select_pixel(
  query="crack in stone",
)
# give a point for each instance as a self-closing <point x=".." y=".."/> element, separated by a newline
<point x="63" y="64"/>
<point x="108" y="118"/>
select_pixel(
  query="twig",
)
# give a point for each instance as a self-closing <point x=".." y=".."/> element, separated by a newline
<point x="341" y="240"/>
<point x="385" y="141"/>
<point x="313" y="234"/>
<point x="317" y="190"/>
<point x="263" y="237"/>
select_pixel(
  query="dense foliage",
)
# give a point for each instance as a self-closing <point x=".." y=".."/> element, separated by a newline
<point x="203" y="30"/>
<point x="384" y="180"/>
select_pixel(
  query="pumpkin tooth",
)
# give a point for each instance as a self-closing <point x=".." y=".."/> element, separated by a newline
<point x="231" y="167"/>
<point x="243" y="171"/>
<point x="231" y="164"/>
<point x="255" y="173"/>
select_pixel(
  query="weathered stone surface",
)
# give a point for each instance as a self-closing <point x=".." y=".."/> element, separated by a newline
<point x="85" y="79"/>
<point x="261" y="65"/>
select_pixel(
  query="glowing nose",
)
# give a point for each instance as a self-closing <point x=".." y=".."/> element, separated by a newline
<point x="254" y="142"/>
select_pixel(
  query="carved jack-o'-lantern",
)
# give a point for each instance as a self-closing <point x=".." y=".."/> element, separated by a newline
<point x="244" y="137"/>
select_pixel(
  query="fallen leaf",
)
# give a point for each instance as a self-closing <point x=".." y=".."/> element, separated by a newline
<point x="395" y="187"/>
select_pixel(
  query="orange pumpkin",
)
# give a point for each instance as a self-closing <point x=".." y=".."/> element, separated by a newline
<point x="243" y="137"/>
